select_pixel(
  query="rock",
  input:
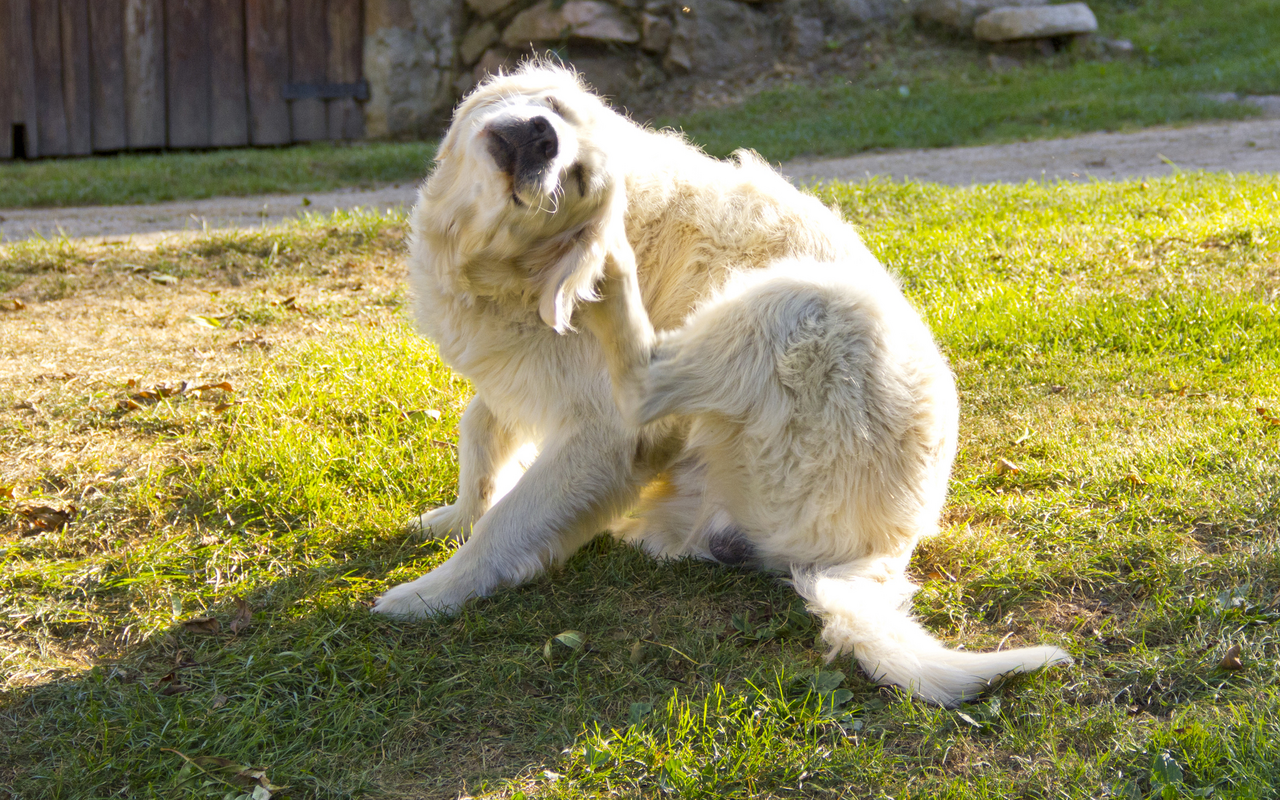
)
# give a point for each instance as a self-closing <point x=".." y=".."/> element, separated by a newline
<point x="804" y="36"/>
<point x="488" y="8"/>
<point x="609" y="77"/>
<point x="477" y="40"/>
<point x="961" y="14"/>
<point x="854" y="12"/>
<point x="728" y="34"/>
<point x="410" y="51"/>
<point x="1041" y="22"/>
<point x="684" y="38"/>
<point x="1117" y="47"/>
<point x="583" y="19"/>
<point x="495" y="60"/>
<point x="655" y="33"/>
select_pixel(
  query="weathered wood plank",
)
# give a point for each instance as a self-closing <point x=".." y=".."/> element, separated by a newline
<point x="267" y="58"/>
<point x="346" y="48"/>
<point x="307" y="62"/>
<point x="144" y="73"/>
<point x="75" y="76"/>
<point x="51" y="112"/>
<point x="22" y="61"/>
<point x="106" y="37"/>
<point x="8" y="91"/>
<point x="186" y="27"/>
<point x="228" y="102"/>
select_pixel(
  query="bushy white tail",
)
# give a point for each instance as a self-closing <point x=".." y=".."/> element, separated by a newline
<point x="869" y="617"/>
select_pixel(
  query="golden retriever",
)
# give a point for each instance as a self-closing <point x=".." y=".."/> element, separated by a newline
<point x="794" y="413"/>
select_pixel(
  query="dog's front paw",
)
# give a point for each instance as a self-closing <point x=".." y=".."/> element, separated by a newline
<point x="428" y="596"/>
<point x="446" y="524"/>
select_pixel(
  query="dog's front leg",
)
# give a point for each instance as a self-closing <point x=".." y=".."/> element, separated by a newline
<point x="619" y="321"/>
<point x="485" y="445"/>
<point x="576" y="486"/>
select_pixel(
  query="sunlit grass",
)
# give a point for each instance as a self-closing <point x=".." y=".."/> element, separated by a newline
<point x="1117" y="349"/>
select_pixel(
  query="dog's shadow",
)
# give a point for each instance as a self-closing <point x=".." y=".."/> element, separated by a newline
<point x="303" y="687"/>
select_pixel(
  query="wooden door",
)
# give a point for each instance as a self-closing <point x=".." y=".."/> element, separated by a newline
<point x="82" y="76"/>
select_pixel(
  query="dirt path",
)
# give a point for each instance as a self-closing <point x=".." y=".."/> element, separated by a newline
<point x="1251" y="146"/>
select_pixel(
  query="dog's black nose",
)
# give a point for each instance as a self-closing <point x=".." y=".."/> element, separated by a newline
<point x="523" y="146"/>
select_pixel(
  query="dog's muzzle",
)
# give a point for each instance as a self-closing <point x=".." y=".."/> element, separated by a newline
<point x="522" y="148"/>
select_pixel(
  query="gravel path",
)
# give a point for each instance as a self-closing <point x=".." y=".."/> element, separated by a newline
<point x="1251" y="146"/>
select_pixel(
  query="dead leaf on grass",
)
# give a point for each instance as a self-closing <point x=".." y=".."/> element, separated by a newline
<point x="218" y="702"/>
<point x="224" y="386"/>
<point x="243" y="617"/>
<point x="12" y="304"/>
<point x="232" y="773"/>
<point x="202" y="625"/>
<point x="170" y="685"/>
<point x="1134" y="478"/>
<point x="46" y="518"/>
<point x="1267" y="416"/>
<point x="7" y="492"/>
<point x="422" y="415"/>
<point x="1231" y="659"/>
<point x="1006" y="467"/>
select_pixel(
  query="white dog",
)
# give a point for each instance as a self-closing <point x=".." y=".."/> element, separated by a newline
<point x="796" y="414"/>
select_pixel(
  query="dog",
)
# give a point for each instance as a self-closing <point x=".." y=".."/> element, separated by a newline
<point x="710" y="363"/>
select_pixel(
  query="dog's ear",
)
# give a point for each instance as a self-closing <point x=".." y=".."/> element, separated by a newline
<point x="573" y="278"/>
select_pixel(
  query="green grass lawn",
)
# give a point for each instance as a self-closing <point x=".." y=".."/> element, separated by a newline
<point x="156" y="177"/>
<point x="201" y="625"/>
<point x="948" y="94"/>
<point x="926" y="89"/>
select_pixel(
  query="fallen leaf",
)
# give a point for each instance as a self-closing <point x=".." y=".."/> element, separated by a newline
<point x="637" y="652"/>
<point x="14" y="304"/>
<point x="224" y="386"/>
<point x="47" y="518"/>
<point x="160" y="277"/>
<point x="1006" y="467"/>
<point x="220" y="407"/>
<point x="968" y="719"/>
<point x="571" y="639"/>
<point x="218" y="702"/>
<point x="1134" y="478"/>
<point x="243" y="617"/>
<point x="422" y="415"/>
<point x="1231" y="659"/>
<point x="204" y="321"/>
<point x="202" y="625"/>
<point x="129" y="404"/>
<point x="7" y="492"/>
<point x="170" y="685"/>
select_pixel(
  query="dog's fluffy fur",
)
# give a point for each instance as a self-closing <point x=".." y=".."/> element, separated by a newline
<point x="794" y="413"/>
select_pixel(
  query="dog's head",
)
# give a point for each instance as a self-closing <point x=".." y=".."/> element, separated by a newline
<point x="530" y="178"/>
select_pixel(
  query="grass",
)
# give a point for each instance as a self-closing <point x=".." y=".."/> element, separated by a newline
<point x="200" y="627"/>
<point x="912" y="95"/>
<point x="903" y="88"/>
<point x="131" y="178"/>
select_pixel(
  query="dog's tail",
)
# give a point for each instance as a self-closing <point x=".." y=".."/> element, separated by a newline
<point x="868" y="616"/>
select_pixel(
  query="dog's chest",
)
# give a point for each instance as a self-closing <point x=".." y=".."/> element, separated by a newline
<point x="524" y="370"/>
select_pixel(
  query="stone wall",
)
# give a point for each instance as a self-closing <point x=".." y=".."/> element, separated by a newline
<point x="411" y="63"/>
<point x="422" y="55"/>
